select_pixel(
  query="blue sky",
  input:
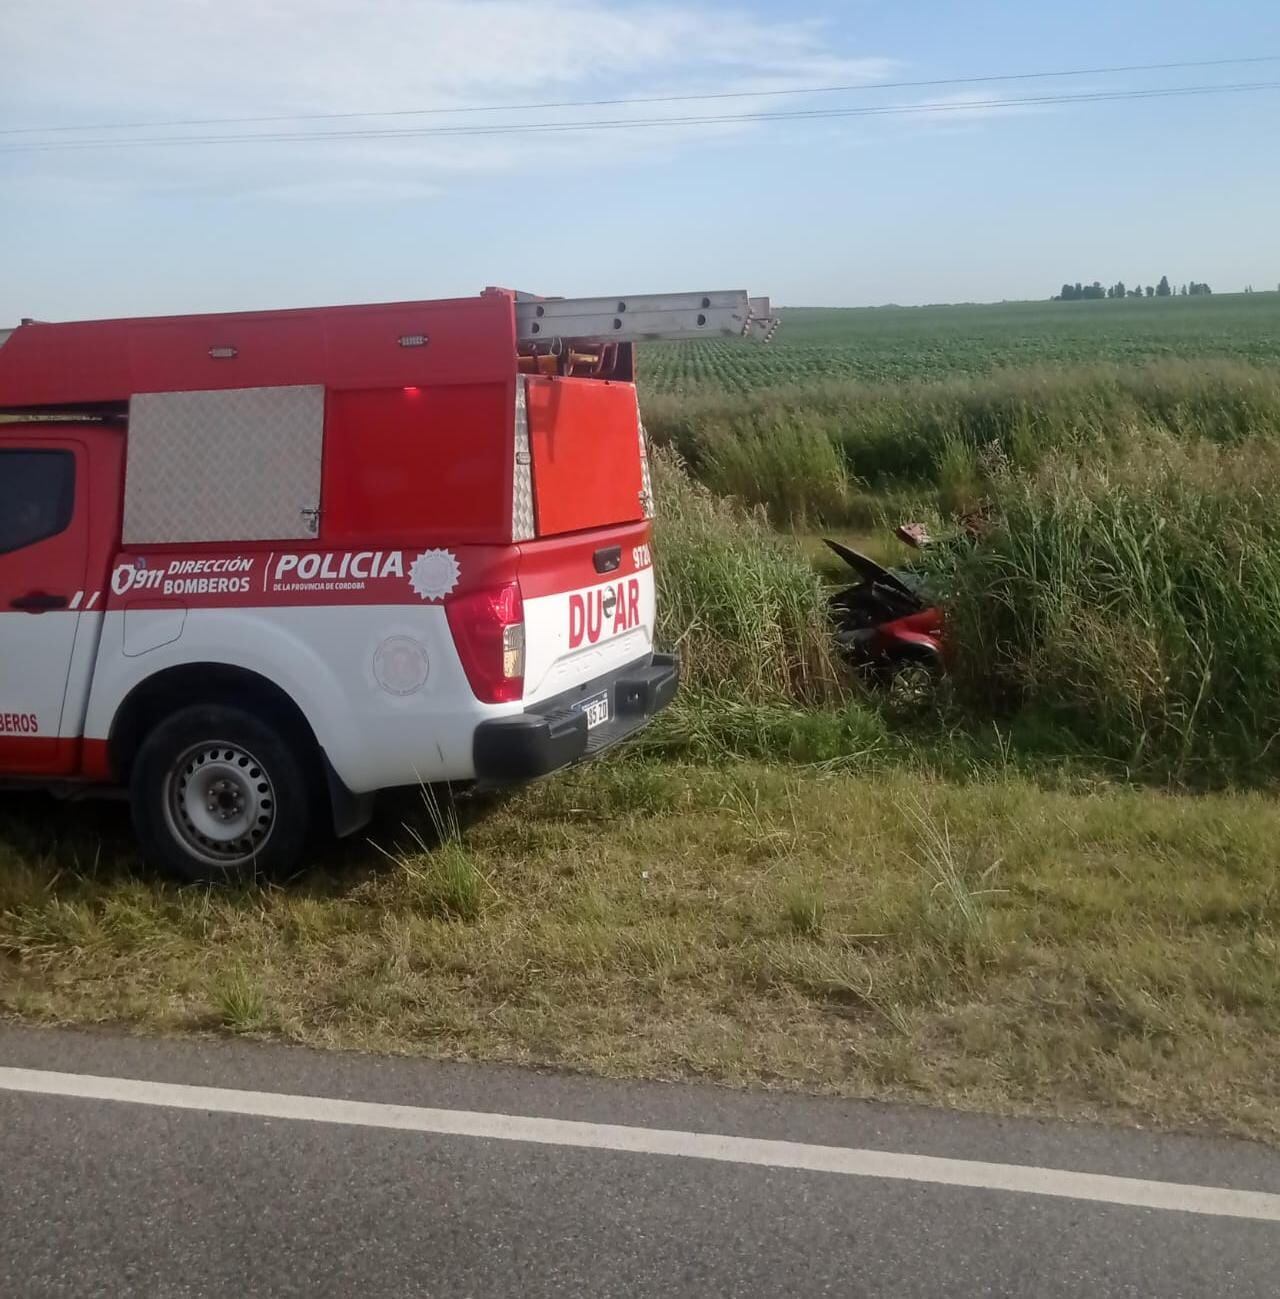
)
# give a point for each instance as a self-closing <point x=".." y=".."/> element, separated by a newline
<point x="977" y="203"/>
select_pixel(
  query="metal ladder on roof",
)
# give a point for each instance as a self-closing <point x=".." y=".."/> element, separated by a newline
<point x="648" y="317"/>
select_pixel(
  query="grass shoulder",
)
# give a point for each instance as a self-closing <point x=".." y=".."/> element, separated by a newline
<point x="997" y="942"/>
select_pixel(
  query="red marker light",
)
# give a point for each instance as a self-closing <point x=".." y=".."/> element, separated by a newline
<point x="412" y="392"/>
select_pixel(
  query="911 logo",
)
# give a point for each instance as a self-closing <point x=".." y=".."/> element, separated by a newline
<point x="603" y="612"/>
<point x="128" y="577"/>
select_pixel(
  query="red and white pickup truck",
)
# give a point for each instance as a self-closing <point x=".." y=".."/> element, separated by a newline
<point x="256" y="567"/>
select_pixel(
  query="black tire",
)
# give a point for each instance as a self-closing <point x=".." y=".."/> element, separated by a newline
<point x="908" y="678"/>
<point x="220" y="797"/>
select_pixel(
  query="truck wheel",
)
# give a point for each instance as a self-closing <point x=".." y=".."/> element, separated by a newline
<point x="220" y="797"/>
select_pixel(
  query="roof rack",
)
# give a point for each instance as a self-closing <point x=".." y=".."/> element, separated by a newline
<point x="647" y="317"/>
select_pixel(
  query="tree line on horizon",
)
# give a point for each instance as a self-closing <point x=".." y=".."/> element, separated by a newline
<point x="1078" y="292"/>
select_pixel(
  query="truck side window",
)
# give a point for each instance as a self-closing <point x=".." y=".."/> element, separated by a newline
<point x="37" y="495"/>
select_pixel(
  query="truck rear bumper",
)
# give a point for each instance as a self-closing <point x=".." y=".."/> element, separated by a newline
<point x="555" y="734"/>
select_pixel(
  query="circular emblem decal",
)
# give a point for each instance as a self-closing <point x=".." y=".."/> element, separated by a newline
<point x="434" y="574"/>
<point x="400" y="665"/>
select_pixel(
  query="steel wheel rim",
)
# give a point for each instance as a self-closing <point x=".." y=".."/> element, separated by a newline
<point x="220" y="803"/>
<point x="912" y="683"/>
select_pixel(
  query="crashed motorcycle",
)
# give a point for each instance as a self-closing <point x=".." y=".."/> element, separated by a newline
<point x="887" y="625"/>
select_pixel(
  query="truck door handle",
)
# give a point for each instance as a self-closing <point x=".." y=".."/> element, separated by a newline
<point x="39" y="602"/>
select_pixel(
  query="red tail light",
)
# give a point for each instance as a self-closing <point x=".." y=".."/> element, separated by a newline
<point x="488" y="630"/>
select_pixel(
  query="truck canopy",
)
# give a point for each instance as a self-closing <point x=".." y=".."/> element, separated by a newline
<point x="494" y="419"/>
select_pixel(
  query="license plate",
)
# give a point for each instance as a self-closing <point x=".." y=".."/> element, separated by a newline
<point x="596" y="709"/>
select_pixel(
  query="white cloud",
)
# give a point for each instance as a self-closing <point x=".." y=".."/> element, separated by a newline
<point x="89" y="61"/>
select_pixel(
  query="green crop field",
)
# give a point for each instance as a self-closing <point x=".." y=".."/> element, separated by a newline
<point x="893" y="344"/>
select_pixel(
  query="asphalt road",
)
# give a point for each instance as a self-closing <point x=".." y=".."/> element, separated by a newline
<point x="140" y="1197"/>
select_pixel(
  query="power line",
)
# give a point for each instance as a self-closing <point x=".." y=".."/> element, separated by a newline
<point x="617" y="124"/>
<point x="860" y="87"/>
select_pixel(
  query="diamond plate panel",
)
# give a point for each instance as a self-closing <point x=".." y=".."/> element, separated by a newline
<point x="236" y="465"/>
<point x="522" y="522"/>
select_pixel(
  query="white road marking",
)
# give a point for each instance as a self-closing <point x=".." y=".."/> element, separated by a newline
<point x="1220" y="1201"/>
